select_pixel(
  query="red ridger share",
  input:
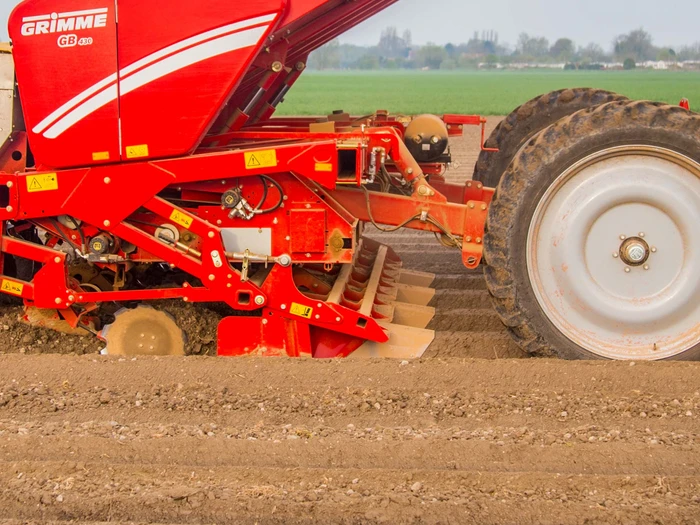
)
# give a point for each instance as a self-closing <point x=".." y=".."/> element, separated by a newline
<point x="141" y="161"/>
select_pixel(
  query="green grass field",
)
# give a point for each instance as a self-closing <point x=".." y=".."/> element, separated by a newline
<point x="486" y="93"/>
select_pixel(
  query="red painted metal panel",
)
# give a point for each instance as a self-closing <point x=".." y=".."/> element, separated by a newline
<point x="65" y="54"/>
<point x="307" y="229"/>
<point x="179" y="62"/>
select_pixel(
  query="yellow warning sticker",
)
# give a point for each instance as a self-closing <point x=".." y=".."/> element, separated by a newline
<point x="136" y="152"/>
<point x="12" y="287"/>
<point x="260" y="159"/>
<point x="100" y="155"/>
<point x="182" y="219"/>
<point x="45" y="182"/>
<point x="301" y="310"/>
<point x="324" y="166"/>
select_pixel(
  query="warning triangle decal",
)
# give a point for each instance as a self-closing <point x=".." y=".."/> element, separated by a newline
<point x="253" y="161"/>
<point x="34" y="185"/>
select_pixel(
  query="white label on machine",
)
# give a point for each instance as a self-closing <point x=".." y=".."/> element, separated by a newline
<point x="255" y="240"/>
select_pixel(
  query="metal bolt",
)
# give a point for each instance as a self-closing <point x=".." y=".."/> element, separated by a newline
<point x="469" y="184"/>
<point x="337" y="319"/>
<point x="483" y="207"/>
<point x="317" y="316"/>
<point x="636" y="253"/>
<point x="264" y="321"/>
<point x="211" y="235"/>
<point x="319" y="305"/>
<point x="259" y="299"/>
<point x="469" y="238"/>
<point x="228" y="285"/>
<point x="107" y="180"/>
<point x="283" y="306"/>
<point x="9" y="209"/>
<point x="409" y="171"/>
<point x="641" y="234"/>
<point x="471" y="205"/>
<point x="646" y="266"/>
<point x="185" y="299"/>
<point x="616" y="255"/>
<point x="422" y="190"/>
<point x="276" y="66"/>
<point x="212" y="277"/>
<point x="622" y="237"/>
<point x="627" y="270"/>
<point x="107" y="223"/>
<point x="218" y="222"/>
<point x="478" y="240"/>
<point x="434" y="139"/>
<point x="71" y="298"/>
<point x="653" y="249"/>
<point x="58" y="300"/>
<point x="57" y="259"/>
<point x="9" y="184"/>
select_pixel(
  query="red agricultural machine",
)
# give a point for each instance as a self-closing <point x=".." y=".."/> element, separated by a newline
<point x="140" y="161"/>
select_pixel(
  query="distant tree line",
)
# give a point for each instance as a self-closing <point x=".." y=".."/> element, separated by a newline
<point x="396" y="51"/>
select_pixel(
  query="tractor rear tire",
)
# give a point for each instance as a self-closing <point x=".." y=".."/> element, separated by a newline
<point x="526" y="121"/>
<point x="592" y="248"/>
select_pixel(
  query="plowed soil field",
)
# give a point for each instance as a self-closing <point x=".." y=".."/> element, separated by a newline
<point x="471" y="433"/>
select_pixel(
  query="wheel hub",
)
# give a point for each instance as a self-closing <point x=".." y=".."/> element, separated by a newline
<point x="641" y="302"/>
<point x="634" y="251"/>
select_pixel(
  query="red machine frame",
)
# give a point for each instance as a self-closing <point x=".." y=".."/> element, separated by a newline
<point x="134" y="185"/>
<point x="317" y="223"/>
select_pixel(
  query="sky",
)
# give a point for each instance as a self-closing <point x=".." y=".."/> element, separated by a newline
<point x="672" y="22"/>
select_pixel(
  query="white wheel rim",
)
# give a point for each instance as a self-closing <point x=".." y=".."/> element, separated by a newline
<point x="631" y="298"/>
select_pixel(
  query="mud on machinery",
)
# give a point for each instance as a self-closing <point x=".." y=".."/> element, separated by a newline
<point x="141" y="161"/>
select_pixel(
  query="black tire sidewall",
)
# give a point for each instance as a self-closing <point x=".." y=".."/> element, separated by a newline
<point x="513" y="133"/>
<point x="541" y="179"/>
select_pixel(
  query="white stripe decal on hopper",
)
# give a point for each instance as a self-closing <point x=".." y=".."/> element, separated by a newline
<point x="83" y="110"/>
<point x="190" y="56"/>
<point x="72" y="114"/>
<point x="41" y="126"/>
<point x="194" y="40"/>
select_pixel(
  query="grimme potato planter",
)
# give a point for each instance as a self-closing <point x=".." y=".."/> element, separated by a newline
<point x="141" y="161"/>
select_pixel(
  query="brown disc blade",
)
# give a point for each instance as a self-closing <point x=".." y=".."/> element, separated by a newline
<point x="144" y="331"/>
